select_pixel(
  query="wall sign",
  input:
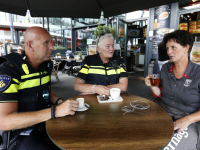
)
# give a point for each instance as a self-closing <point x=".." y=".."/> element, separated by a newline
<point x="160" y="28"/>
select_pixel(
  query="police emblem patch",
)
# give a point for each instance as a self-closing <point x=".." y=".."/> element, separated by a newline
<point x="4" y="81"/>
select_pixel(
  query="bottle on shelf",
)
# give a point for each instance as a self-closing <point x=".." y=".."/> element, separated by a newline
<point x="129" y="45"/>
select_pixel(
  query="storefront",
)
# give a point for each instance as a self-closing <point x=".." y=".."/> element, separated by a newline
<point x="178" y="17"/>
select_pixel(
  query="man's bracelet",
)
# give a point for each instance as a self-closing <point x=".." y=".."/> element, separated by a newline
<point x="93" y="88"/>
<point x="56" y="103"/>
<point x="53" y="111"/>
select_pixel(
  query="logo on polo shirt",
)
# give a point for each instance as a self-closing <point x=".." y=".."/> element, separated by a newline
<point x="4" y="81"/>
<point x="187" y="82"/>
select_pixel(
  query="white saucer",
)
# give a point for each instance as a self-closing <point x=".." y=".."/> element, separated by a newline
<point x="86" y="107"/>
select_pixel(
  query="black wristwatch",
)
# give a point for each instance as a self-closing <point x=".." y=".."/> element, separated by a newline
<point x="53" y="112"/>
<point x="56" y="103"/>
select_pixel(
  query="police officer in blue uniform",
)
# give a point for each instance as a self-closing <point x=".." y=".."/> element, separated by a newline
<point x="25" y="94"/>
<point x="102" y="71"/>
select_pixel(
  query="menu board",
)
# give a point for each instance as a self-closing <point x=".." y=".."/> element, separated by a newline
<point x="92" y="49"/>
<point x="195" y="53"/>
<point x="161" y="27"/>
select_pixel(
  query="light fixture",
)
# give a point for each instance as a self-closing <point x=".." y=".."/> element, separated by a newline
<point x="192" y="6"/>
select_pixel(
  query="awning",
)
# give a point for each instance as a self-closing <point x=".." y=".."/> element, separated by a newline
<point x="79" y="8"/>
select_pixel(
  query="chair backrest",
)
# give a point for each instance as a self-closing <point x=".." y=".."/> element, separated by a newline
<point x="4" y="139"/>
<point x="55" y="67"/>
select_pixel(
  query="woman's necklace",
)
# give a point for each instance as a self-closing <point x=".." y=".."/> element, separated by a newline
<point x="178" y="72"/>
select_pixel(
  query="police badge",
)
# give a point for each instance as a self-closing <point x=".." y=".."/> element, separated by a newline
<point x="4" y="81"/>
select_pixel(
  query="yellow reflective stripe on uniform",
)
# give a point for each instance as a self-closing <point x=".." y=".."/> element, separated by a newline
<point x="46" y="79"/>
<point x="96" y="71"/>
<point x="97" y="67"/>
<point x="15" y="80"/>
<point x="8" y="101"/>
<point x="122" y="69"/>
<point x="86" y="65"/>
<point x="29" y="75"/>
<point x="84" y="70"/>
<point x="111" y="72"/>
<point x="33" y="83"/>
<point x="13" y="88"/>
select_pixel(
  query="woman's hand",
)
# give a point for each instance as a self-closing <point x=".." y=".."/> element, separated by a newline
<point x="102" y="90"/>
<point x="154" y="89"/>
<point x="181" y="124"/>
<point x="147" y="81"/>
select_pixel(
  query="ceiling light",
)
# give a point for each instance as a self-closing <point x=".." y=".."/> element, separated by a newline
<point x="192" y="7"/>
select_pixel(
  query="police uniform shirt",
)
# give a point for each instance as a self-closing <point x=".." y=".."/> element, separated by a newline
<point x="183" y="93"/>
<point x="24" y="89"/>
<point x="95" y="72"/>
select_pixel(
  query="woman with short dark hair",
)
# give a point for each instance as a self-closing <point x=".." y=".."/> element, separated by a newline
<point x="179" y="90"/>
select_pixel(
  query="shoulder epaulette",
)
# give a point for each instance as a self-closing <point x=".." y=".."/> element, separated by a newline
<point x="17" y="61"/>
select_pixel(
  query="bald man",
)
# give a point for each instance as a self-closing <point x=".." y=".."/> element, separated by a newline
<point x="25" y="92"/>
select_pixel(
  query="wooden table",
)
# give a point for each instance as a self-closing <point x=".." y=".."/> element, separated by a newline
<point x="104" y="126"/>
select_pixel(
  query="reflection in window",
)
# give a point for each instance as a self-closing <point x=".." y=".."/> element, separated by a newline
<point x="83" y="37"/>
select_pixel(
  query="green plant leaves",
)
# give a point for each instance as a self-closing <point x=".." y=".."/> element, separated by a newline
<point x="104" y="30"/>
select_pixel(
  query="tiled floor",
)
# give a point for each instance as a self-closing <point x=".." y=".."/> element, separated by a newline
<point x="138" y="71"/>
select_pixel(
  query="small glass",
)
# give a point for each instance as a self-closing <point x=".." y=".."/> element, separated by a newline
<point x="154" y="79"/>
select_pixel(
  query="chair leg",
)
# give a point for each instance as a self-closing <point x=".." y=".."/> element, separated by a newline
<point x="58" y="80"/>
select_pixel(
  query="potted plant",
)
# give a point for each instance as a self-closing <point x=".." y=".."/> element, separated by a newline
<point x="104" y="30"/>
<point x="58" y="55"/>
<point x="78" y="55"/>
<point x="59" y="48"/>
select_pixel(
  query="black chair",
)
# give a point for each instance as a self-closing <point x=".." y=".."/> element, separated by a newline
<point x="55" y="70"/>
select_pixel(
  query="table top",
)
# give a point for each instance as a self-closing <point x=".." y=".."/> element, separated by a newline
<point x="103" y="126"/>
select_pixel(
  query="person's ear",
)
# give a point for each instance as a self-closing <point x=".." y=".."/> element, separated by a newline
<point x="98" y="49"/>
<point x="187" y="48"/>
<point x="29" y="46"/>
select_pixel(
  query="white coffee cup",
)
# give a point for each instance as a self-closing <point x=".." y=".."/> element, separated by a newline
<point x="115" y="93"/>
<point x="67" y="57"/>
<point x="80" y="103"/>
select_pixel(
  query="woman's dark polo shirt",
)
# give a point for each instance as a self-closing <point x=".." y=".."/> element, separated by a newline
<point x="183" y="93"/>
<point x="95" y="72"/>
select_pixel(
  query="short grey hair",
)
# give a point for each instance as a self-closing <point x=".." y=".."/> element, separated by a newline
<point x="101" y="38"/>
